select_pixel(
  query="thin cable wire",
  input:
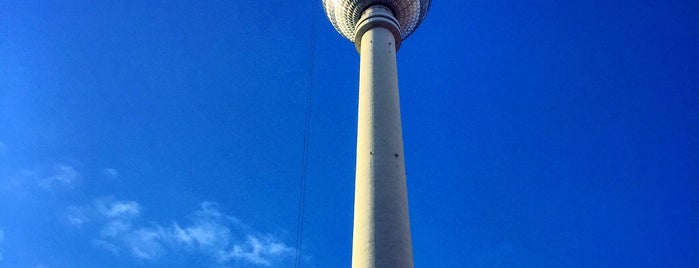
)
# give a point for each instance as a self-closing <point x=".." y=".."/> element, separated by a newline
<point x="306" y="130"/>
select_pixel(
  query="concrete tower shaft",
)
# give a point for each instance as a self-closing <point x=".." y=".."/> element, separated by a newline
<point x="381" y="236"/>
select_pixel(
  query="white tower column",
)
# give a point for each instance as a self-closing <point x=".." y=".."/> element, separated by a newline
<point x="381" y="235"/>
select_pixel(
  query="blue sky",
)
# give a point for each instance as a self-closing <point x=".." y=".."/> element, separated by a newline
<point x="170" y="134"/>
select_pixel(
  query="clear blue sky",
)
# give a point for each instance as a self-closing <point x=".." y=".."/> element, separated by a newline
<point x="170" y="134"/>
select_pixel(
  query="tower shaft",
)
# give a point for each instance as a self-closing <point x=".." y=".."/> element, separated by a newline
<point x="381" y="235"/>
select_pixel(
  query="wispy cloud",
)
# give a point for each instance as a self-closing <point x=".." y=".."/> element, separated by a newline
<point x="110" y="173"/>
<point x="76" y="216"/>
<point x="119" y="209"/>
<point x="60" y="175"/>
<point x="258" y="250"/>
<point x="52" y="178"/>
<point x="3" y="147"/>
<point x="210" y="232"/>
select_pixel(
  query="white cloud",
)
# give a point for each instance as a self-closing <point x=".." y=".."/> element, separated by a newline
<point x="120" y="209"/>
<point x="60" y="175"/>
<point x="3" y="147"/>
<point x="21" y="183"/>
<point x="115" y="228"/>
<point x="114" y="215"/>
<point x="76" y="216"/>
<point x="111" y="173"/>
<point x="259" y="250"/>
<point x="145" y="243"/>
<point x="222" y="237"/>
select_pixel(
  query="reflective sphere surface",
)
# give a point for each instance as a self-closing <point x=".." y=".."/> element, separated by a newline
<point x="344" y="14"/>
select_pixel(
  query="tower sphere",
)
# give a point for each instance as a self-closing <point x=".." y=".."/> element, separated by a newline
<point x="344" y="14"/>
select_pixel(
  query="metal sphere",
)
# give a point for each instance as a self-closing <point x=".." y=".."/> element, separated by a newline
<point x="344" y="14"/>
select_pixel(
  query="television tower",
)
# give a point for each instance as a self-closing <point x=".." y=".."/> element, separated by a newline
<point x="381" y="235"/>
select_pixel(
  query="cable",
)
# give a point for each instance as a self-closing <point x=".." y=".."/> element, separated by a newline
<point x="306" y="130"/>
